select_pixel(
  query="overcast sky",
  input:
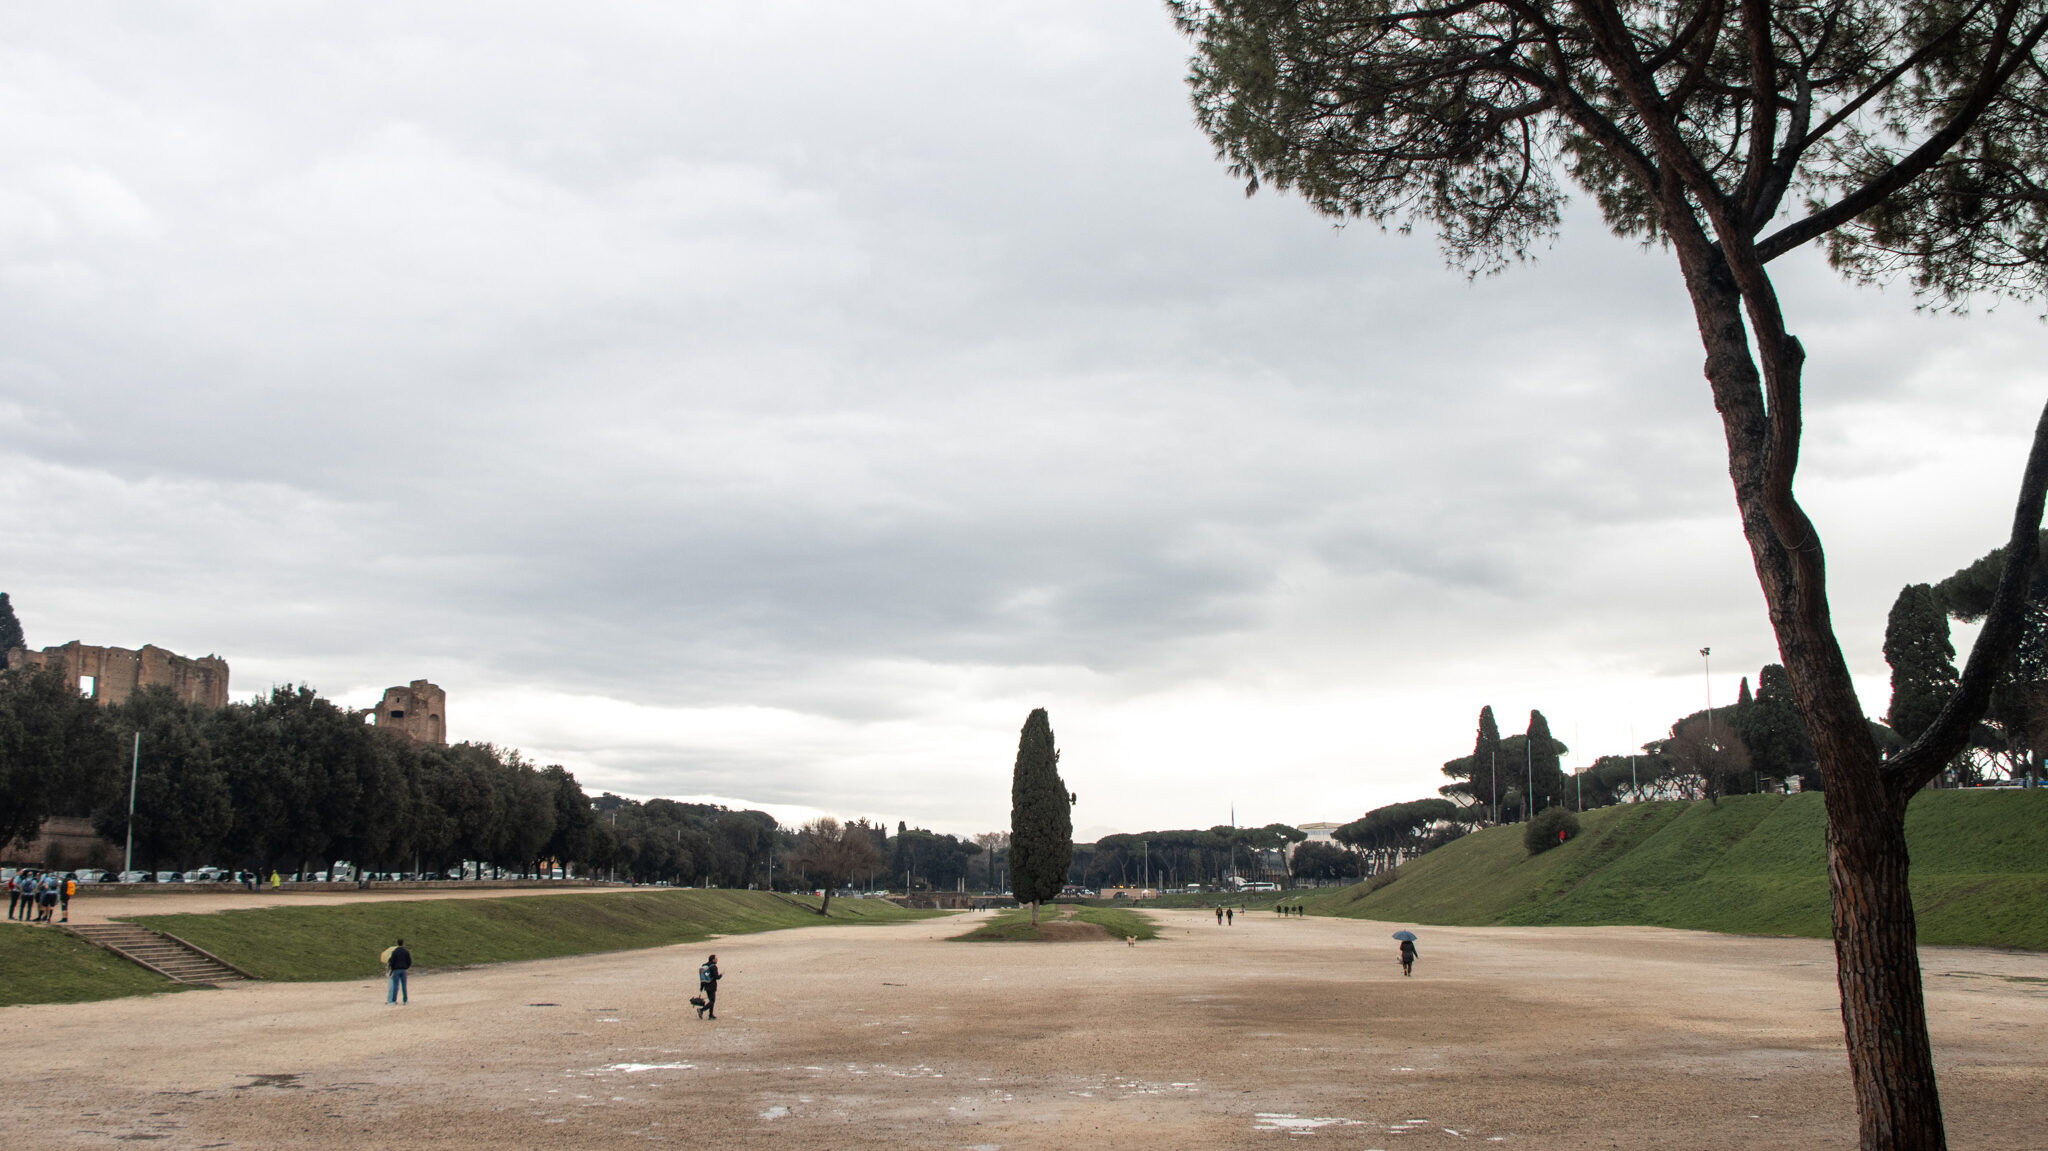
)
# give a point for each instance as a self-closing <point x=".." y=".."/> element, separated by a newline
<point x="777" y="401"/>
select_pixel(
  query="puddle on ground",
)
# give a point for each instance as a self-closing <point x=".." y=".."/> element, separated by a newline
<point x="1299" y="1124"/>
<point x="1310" y="1124"/>
<point x="776" y="1112"/>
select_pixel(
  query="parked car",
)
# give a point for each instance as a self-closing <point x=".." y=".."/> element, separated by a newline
<point x="170" y="877"/>
<point x="137" y="877"/>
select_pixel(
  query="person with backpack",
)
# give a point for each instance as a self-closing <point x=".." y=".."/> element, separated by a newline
<point x="707" y="988"/>
<point x="64" y="895"/>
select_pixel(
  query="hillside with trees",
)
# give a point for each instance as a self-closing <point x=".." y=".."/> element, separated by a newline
<point x="1750" y="864"/>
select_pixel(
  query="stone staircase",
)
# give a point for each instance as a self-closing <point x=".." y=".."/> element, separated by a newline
<point x="167" y="955"/>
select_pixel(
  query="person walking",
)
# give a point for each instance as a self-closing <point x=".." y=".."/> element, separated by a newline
<point x="1230" y="915"/>
<point x="64" y="896"/>
<point x="397" y="961"/>
<point x="1407" y="957"/>
<point x="1219" y="917"/>
<point x="707" y="988"/>
<point x="13" y="894"/>
<point x="708" y="976"/>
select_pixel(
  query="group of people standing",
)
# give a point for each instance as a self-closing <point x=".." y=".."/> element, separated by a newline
<point x="39" y="896"/>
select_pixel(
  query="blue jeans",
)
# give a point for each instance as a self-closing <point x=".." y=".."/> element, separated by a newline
<point x="397" y="994"/>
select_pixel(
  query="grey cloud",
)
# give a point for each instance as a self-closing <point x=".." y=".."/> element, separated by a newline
<point x="829" y="360"/>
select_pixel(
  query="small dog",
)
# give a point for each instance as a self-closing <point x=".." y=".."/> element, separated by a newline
<point x="1130" y="941"/>
<point x="697" y="1001"/>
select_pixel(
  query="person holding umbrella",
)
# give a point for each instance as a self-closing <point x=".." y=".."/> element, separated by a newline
<point x="1407" y="939"/>
<point x="397" y="961"/>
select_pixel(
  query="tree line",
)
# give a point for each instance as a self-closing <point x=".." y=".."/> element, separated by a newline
<point x="1184" y="857"/>
<point x="288" y="780"/>
<point x="295" y="782"/>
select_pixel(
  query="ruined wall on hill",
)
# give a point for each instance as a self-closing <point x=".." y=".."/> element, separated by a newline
<point x="117" y="673"/>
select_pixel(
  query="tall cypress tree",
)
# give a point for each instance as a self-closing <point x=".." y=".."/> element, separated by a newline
<point x="1923" y="660"/>
<point x="1041" y="817"/>
<point x="10" y="630"/>
<point x="1774" y="733"/>
<point x="1545" y="779"/>
<point x="1486" y="764"/>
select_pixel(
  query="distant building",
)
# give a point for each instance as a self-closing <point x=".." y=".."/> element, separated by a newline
<point x="418" y="711"/>
<point x="1317" y="833"/>
<point x="109" y="675"/>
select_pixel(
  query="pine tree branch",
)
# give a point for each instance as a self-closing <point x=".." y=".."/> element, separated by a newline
<point x="1911" y="769"/>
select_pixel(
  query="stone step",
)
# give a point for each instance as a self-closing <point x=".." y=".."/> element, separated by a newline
<point x="167" y="955"/>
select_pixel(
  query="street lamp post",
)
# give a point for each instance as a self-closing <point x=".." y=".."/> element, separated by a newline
<point x="134" y="777"/>
<point x="1634" y="785"/>
<point x="1707" y="667"/>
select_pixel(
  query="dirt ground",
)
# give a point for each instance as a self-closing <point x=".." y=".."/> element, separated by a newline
<point x="1266" y="1033"/>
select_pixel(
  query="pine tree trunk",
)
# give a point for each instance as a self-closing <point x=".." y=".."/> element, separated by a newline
<point x="1884" y="1017"/>
<point x="1877" y="962"/>
<point x="1034" y="913"/>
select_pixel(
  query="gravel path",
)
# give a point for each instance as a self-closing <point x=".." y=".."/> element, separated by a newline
<point x="1275" y="1031"/>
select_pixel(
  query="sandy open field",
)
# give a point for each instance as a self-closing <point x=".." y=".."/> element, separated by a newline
<point x="1267" y="1033"/>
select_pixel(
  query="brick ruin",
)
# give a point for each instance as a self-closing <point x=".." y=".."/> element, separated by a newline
<point x="418" y="711"/>
<point x="117" y="673"/>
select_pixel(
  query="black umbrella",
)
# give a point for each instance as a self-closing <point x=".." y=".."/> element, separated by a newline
<point x="1405" y="936"/>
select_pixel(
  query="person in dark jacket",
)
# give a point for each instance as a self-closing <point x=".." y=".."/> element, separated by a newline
<point x="1407" y="957"/>
<point x="707" y="987"/>
<point x="397" y="961"/>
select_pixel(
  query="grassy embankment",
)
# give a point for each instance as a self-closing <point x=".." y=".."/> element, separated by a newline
<point x="1754" y="864"/>
<point x="342" y="941"/>
<point x="1014" y="925"/>
<point x="42" y="965"/>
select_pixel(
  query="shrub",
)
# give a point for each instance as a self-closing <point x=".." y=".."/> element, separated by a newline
<point x="1552" y="826"/>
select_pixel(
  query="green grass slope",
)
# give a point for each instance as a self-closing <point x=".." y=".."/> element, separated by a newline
<point x="41" y="965"/>
<point x="1753" y="864"/>
<point x="343" y="941"/>
<point x="1014" y="925"/>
